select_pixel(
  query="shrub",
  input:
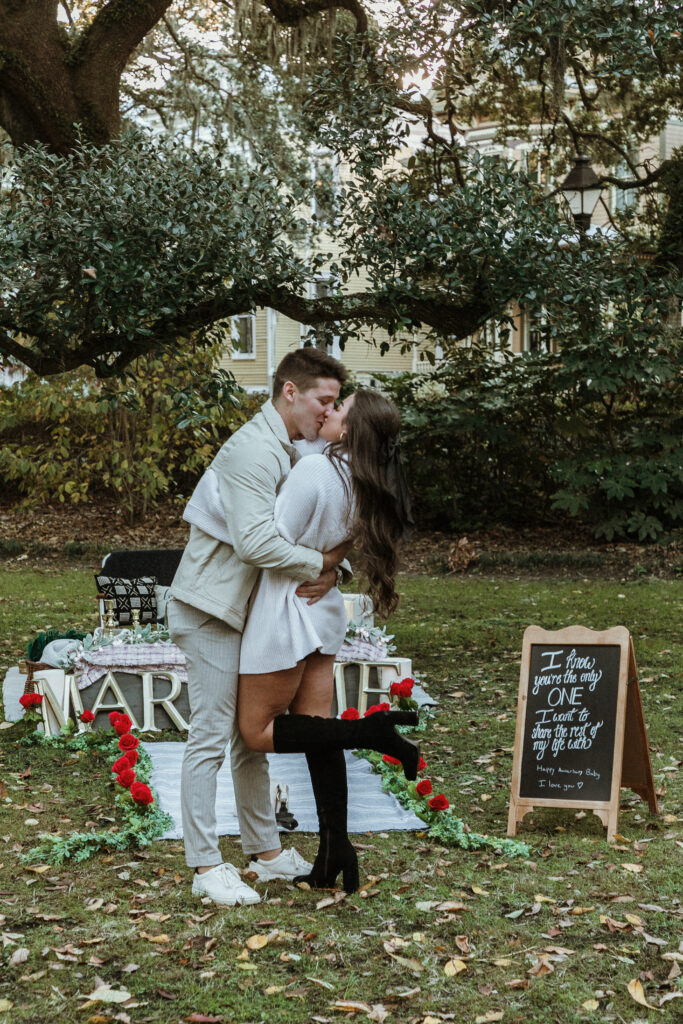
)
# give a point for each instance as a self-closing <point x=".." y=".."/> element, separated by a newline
<point x="139" y="439"/>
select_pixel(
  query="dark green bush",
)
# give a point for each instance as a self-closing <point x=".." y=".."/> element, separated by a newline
<point x="536" y="435"/>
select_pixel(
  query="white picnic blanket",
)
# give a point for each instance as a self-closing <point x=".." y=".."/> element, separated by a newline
<point x="370" y="809"/>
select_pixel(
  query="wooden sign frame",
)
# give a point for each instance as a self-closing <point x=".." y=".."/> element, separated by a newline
<point x="631" y="765"/>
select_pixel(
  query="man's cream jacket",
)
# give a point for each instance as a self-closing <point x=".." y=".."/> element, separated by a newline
<point x="217" y="577"/>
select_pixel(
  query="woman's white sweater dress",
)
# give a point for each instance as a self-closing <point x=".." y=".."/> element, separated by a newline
<point x="313" y="508"/>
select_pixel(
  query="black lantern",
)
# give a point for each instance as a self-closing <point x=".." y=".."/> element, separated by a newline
<point x="581" y="188"/>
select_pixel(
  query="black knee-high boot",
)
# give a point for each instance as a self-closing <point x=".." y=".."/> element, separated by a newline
<point x="303" y="733"/>
<point x="335" y="852"/>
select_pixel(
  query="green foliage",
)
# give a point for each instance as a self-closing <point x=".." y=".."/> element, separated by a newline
<point x="138" y="438"/>
<point x="471" y="430"/>
<point x="110" y="253"/>
<point x="593" y="429"/>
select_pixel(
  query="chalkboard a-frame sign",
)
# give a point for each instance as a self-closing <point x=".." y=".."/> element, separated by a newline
<point x="580" y="728"/>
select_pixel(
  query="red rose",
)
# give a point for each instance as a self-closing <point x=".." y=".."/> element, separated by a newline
<point x="126" y="777"/>
<point x="422" y="764"/>
<point x="31" y="700"/>
<point x="87" y="716"/>
<point x="131" y="756"/>
<point x="123" y="725"/>
<point x="141" y="793"/>
<point x="128" y="742"/>
<point x="384" y="706"/>
<point x="402" y="689"/>
<point x="350" y="713"/>
<point x="439" y="802"/>
<point x="390" y="760"/>
<point x="424" y="787"/>
<point x="114" y="717"/>
<point x="120" y="764"/>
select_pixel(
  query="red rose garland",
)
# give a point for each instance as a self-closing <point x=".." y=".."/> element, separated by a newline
<point x="123" y="766"/>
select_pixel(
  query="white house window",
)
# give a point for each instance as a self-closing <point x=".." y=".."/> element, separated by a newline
<point x="538" y="166"/>
<point x="536" y="335"/>
<point x="325" y="174"/>
<point x="243" y="331"/>
<point x="624" y="199"/>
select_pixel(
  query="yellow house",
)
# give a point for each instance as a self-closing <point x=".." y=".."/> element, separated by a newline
<point x="263" y="337"/>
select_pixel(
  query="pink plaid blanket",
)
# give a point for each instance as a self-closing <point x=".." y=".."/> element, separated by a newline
<point x="361" y="650"/>
<point x="136" y="658"/>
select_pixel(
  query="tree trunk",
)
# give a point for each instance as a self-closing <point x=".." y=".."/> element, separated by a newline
<point x="50" y="82"/>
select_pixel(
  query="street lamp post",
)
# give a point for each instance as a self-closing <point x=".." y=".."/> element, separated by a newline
<point x="581" y="188"/>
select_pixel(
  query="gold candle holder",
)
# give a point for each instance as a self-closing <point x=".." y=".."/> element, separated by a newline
<point x="135" y="617"/>
<point x="110" y="623"/>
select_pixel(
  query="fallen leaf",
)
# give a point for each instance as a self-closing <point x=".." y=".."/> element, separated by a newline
<point x="517" y="983"/>
<point x="670" y="995"/>
<point x="257" y="941"/>
<point x="613" y="925"/>
<point x="540" y="898"/>
<point x="478" y="891"/>
<point x="376" y="1012"/>
<point x="5" y="1005"/>
<point x="489" y="1017"/>
<point x="581" y="910"/>
<point x="591" y="1004"/>
<point x="635" y="990"/>
<point x="453" y="967"/>
<point x="409" y="963"/>
<point x="19" y="956"/>
<point x="462" y="942"/>
<point x="155" y="938"/>
<point x="541" y="968"/>
<point x="503" y="962"/>
<point x="105" y="994"/>
<point x="319" y="981"/>
<point x="635" y="869"/>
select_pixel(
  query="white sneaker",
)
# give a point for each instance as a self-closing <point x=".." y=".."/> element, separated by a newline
<point x="224" y="885"/>
<point x="287" y="865"/>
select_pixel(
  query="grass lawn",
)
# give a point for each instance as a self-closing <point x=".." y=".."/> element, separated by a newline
<point x="556" y="938"/>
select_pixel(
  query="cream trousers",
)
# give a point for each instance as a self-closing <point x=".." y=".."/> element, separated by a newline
<point x="212" y="650"/>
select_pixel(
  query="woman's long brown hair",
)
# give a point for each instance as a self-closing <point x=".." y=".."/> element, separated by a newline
<point x="372" y="422"/>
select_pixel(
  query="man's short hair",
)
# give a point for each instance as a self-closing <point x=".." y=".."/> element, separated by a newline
<point x="304" y="366"/>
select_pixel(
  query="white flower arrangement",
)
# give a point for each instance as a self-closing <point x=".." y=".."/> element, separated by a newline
<point x="376" y="635"/>
<point x="149" y="634"/>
